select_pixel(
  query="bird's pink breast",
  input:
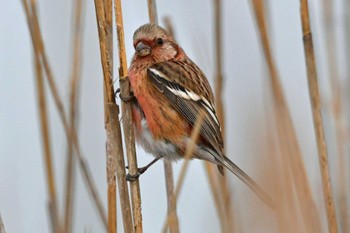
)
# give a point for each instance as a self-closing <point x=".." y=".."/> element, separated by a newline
<point x="163" y="121"/>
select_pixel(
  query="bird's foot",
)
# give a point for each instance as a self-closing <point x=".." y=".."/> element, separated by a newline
<point x="140" y="171"/>
<point x="124" y="98"/>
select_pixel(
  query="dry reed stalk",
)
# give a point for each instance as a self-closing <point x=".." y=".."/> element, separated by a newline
<point x="345" y="205"/>
<point x="337" y="110"/>
<point x="171" y="200"/>
<point x="111" y="143"/>
<point x="74" y="86"/>
<point x="115" y="155"/>
<point x="31" y="15"/>
<point x="152" y="11"/>
<point x="2" y="227"/>
<point x="285" y="129"/>
<point x="59" y="105"/>
<point x="283" y="191"/>
<point x="115" y="130"/>
<point x="277" y="162"/>
<point x="218" y="202"/>
<point x="347" y="44"/>
<point x="283" y="187"/>
<point x="188" y="154"/>
<point x="115" y="136"/>
<point x="224" y="186"/>
<point x="114" y="145"/>
<point x="317" y="118"/>
<point x="127" y="120"/>
<point x="104" y="16"/>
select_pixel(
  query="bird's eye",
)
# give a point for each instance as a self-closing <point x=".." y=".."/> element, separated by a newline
<point x="159" y="41"/>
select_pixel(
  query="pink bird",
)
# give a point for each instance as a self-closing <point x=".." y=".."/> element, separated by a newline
<point x="170" y="90"/>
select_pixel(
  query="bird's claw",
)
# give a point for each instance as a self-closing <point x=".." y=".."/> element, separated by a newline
<point x="129" y="98"/>
<point x="132" y="177"/>
<point x="116" y="92"/>
<point x="140" y="171"/>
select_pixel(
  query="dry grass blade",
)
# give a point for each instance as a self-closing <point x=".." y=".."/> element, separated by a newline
<point x="337" y="110"/>
<point x="104" y="15"/>
<point x="115" y="155"/>
<point x="169" y="183"/>
<point x="345" y="203"/>
<point x="286" y="131"/>
<point x="225" y="191"/>
<point x="283" y="187"/>
<point x="2" y="227"/>
<point x="218" y="64"/>
<point x="152" y="11"/>
<point x="114" y="135"/>
<point x="214" y="186"/>
<point x="111" y="155"/>
<point x="44" y="121"/>
<point x="188" y="154"/>
<point x="127" y="121"/>
<point x="111" y="145"/>
<point x="317" y="118"/>
<point x="74" y="86"/>
<point x="54" y="91"/>
<point x="347" y="38"/>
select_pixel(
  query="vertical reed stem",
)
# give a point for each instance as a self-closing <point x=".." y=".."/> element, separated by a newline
<point x="115" y="136"/>
<point x="285" y="129"/>
<point x="103" y="14"/>
<point x="115" y="155"/>
<point x="33" y="24"/>
<point x="337" y="106"/>
<point x="225" y="191"/>
<point x="75" y="79"/>
<point x="59" y="105"/>
<point x="184" y="168"/>
<point x="127" y="120"/>
<point x="317" y="118"/>
<point x="2" y="227"/>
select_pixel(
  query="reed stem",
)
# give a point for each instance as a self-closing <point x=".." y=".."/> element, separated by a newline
<point x="2" y="226"/>
<point x="127" y="120"/>
<point x="317" y="118"/>
<point x="285" y="128"/>
<point x="219" y="79"/>
<point x="74" y="90"/>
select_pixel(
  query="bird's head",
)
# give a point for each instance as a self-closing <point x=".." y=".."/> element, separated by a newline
<point x="152" y="41"/>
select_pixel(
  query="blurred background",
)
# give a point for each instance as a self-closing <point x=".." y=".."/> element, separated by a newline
<point x="23" y="195"/>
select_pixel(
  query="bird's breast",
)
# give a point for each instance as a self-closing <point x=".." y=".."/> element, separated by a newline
<point x="163" y="121"/>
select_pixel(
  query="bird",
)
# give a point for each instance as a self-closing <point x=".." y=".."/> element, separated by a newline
<point x="168" y="92"/>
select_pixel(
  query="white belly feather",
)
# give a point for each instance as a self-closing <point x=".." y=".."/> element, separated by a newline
<point x="156" y="147"/>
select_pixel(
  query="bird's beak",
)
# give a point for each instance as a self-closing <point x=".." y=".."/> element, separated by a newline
<point x="142" y="49"/>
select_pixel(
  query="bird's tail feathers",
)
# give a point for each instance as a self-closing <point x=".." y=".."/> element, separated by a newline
<point x="223" y="160"/>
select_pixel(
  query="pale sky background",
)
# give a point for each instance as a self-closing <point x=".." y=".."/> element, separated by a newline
<point x="23" y="192"/>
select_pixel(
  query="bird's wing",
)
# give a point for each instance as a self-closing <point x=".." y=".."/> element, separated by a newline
<point x="188" y="96"/>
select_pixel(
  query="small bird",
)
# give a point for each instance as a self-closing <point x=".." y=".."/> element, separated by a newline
<point x="170" y="91"/>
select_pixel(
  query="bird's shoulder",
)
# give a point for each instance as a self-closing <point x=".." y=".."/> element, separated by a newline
<point x="186" y="74"/>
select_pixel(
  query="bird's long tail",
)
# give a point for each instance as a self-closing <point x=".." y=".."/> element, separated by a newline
<point x="248" y="181"/>
<point x="226" y="162"/>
